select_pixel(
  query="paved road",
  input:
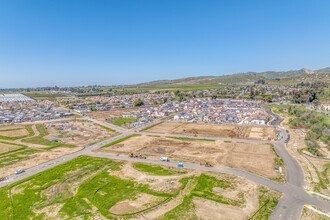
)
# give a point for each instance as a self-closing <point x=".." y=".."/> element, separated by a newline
<point x="289" y="207"/>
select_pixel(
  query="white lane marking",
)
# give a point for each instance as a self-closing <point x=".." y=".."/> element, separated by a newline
<point x="318" y="211"/>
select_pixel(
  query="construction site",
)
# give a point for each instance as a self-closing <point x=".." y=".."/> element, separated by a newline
<point x="132" y="193"/>
<point x="224" y="131"/>
<point x="24" y="146"/>
<point x="77" y="132"/>
<point x="112" y="114"/>
<point x="256" y="158"/>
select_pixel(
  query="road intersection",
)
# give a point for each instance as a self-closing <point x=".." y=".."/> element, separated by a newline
<point x="289" y="207"/>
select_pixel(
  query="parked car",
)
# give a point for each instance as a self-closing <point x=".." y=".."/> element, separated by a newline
<point x="19" y="171"/>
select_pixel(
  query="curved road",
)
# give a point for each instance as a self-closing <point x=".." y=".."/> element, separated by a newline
<point x="289" y="206"/>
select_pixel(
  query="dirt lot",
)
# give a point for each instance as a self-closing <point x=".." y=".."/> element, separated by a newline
<point x="36" y="159"/>
<point x="116" y="113"/>
<point x="257" y="158"/>
<point x="226" y="131"/>
<point x="85" y="132"/>
<point x="7" y="147"/>
<point x="13" y="131"/>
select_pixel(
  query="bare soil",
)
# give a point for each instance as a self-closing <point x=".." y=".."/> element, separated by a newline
<point x="7" y="147"/>
<point x="116" y="113"/>
<point x="86" y="132"/>
<point x="36" y="159"/>
<point x="257" y="158"/>
<point x="167" y="184"/>
<point x="14" y="133"/>
<point x="225" y="131"/>
<point x="142" y="202"/>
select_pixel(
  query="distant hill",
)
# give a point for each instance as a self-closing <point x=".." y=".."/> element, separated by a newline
<point x="291" y="76"/>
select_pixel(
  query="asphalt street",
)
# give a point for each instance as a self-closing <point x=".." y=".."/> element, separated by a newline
<point x="289" y="207"/>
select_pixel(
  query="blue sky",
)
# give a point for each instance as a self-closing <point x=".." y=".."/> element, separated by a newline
<point x="78" y="42"/>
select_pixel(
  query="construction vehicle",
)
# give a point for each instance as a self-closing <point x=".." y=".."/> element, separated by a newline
<point x="133" y="155"/>
<point x="205" y="163"/>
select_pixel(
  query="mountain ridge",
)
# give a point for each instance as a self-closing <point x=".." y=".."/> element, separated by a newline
<point x="247" y="77"/>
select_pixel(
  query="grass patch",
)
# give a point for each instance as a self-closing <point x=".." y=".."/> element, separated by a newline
<point x="27" y="127"/>
<point x="40" y="140"/>
<point x="152" y="126"/>
<point x="123" y="121"/>
<point x="153" y="170"/>
<point x="186" y="210"/>
<point x="11" y="129"/>
<point x="268" y="200"/>
<point x="22" y="147"/>
<point x="120" y="140"/>
<point x="190" y="139"/>
<point x="5" y="204"/>
<point x="53" y="187"/>
<point x="106" y="128"/>
<point x="204" y="189"/>
<point x="16" y="157"/>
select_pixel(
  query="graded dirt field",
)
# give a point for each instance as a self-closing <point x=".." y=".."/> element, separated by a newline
<point x="35" y="159"/>
<point x="13" y="131"/>
<point x="257" y="158"/>
<point x="84" y="133"/>
<point x="7" y="147"/>
<point x="226" y="131"/>
<point x="115" y="113"/>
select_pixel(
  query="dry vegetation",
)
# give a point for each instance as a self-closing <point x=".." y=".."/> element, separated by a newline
<point x="38" y="148"/>
<point x="257" y="158"/>
<point x="226" y="131"/>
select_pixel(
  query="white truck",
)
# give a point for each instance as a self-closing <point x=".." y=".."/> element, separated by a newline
<point x="164" y="159"/>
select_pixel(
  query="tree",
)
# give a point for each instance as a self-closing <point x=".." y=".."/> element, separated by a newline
<point x="138" y="102"/>
<point x="165" y="99"/>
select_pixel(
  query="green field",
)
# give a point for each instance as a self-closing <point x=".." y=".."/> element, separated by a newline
<point x="123" y="121"/>
<point x="40" y="140"/>
<point x="153" y="170"/>
<point x="96" y="188"/>
<point x="79" y="187"/>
